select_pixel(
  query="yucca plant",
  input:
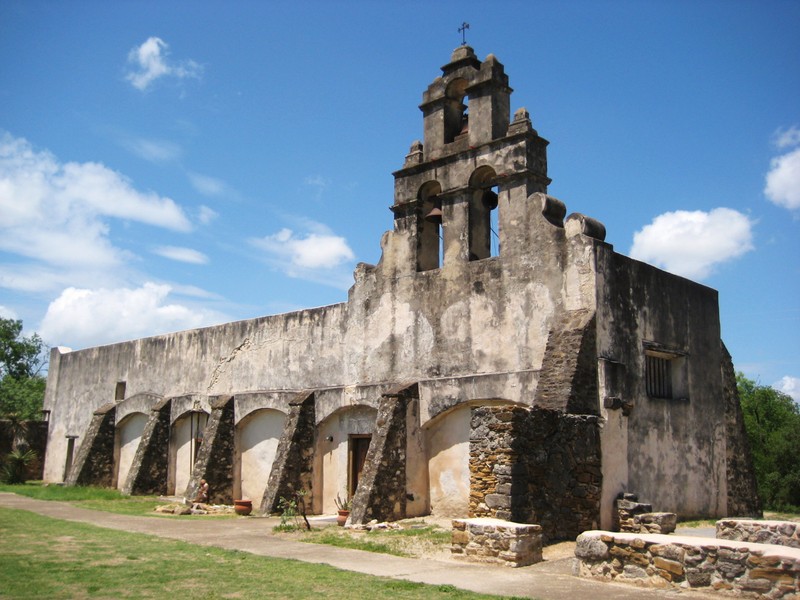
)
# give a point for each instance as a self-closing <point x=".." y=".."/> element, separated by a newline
<point x="15" y="466"/>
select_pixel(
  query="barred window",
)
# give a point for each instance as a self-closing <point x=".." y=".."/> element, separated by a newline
<point x="658" y="376"/>
<point x="666" y="373"/>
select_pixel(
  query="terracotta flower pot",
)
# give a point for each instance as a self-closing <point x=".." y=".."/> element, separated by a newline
<point x="243" y="507"/>
<point x="342" y="518"/>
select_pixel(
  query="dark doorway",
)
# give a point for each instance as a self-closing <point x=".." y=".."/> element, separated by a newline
<point x="356" y="458"/>
<point x="70" y="453"/>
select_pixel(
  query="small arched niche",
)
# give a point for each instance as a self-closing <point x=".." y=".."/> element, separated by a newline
<point x="429" y="238"/>
<point x="456" y="118"/>
<point x="483" y="217"/>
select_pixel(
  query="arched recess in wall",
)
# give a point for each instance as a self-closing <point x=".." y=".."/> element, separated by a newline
<point x="447" y="446"/>
<point x="255" y="444"/>
<point x="447" y="443"/>
<point x="456" y="117"/>
<point x="342" y="441"/>
<point x="186" y="437"/>
<point x="483" y="216"/>
<point x="429" y="219"/>
<point x="127" y="435"/>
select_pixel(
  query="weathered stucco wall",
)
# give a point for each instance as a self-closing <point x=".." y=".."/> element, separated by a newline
<point x="448" y="463"/>
<point x="680" y="440"/>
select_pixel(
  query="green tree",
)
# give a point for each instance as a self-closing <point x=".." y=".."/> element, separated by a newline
<point x="772" y="420"/>
<point x="21" y="362"/>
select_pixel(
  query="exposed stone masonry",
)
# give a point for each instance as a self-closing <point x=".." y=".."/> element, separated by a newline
<point x="150" y="466"/>
<point x="739" y="568"/>
<point x="536" y="466"/>
<point x="292" y="469"/>
<point x="94" y="463"/>
<point x="568" y="380"/>
<point x="781" y="533"/>
<point x="633" y="516"/>
<point x="381" y="492"/>
<point x="495" y="541"/>
<point x="215" y="458"/>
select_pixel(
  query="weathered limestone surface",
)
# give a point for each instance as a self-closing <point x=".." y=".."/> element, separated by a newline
<point x="780" y="533"/>
<point x="536" y="466"/>
<point x="652" y="560"/>
<point x="495" y="541"/>
<point x="292" y="469"/>
<point x="215" y="458"/>
<point x="381" y="491"/>
<point x="94" y="463"/>
<point x="150" y="466"/>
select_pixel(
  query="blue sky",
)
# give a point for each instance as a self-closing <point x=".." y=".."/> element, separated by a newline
<point x="176" y="164"/>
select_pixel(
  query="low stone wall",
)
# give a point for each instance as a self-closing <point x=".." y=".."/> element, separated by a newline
<point x="495" y="541"/>
<point x="653" y="560"/>
<point x="781" y="533"/>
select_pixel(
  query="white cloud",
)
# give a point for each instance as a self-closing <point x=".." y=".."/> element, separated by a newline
<point x="81" y="318"/>
<point x="783" y="180"/>
<point x="180" y="254"/>
<point x="787" y="137"/>
<point x="692" y="243"/>
<point x="58" y="214"/>
<point x="150" y="62"/>
<point x="317" y="255"/>
<point x="790" y="386"/>
<point x="310" y="251"/>
<point x="7" y="313"/>
<point x="205" y="214"/>
<point x="208" y="186"/>
<point x="157" y="151"/>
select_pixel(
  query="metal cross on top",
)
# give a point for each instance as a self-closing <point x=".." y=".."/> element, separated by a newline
<point x="463" y="31"/>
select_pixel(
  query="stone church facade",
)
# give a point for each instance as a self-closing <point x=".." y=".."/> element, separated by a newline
<point x="501" y="359"/>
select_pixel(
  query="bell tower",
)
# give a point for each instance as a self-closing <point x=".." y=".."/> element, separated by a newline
<point x="467" y="106"/>
<point x="463" y="192"/>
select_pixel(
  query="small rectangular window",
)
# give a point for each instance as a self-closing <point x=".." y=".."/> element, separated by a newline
<point x="119" y="392"/>
<point x="658" y="376"/>
<point x="666" y="372"/>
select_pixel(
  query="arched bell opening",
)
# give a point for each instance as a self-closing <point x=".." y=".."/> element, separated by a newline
<point x="430" y="245"/>
<point x="484" y="241"/>
<point x="456" y="116"/>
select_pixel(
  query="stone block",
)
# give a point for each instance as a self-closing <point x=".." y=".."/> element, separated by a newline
<point x="666" y="564"/>
<point x="501" y="542"/>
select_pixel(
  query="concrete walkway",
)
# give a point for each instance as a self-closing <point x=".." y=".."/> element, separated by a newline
<point x="548" y="580"/>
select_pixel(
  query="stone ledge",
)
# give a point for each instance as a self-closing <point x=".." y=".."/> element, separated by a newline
<point x="496" y="541"/>
<point x="656" y="560"/>
<point x="781" y="533"/>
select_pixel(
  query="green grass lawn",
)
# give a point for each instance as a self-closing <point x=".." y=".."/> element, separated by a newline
<point x="94" y="498"/>
<point x="412" y="541"/>
<point x="42" y="557"/>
